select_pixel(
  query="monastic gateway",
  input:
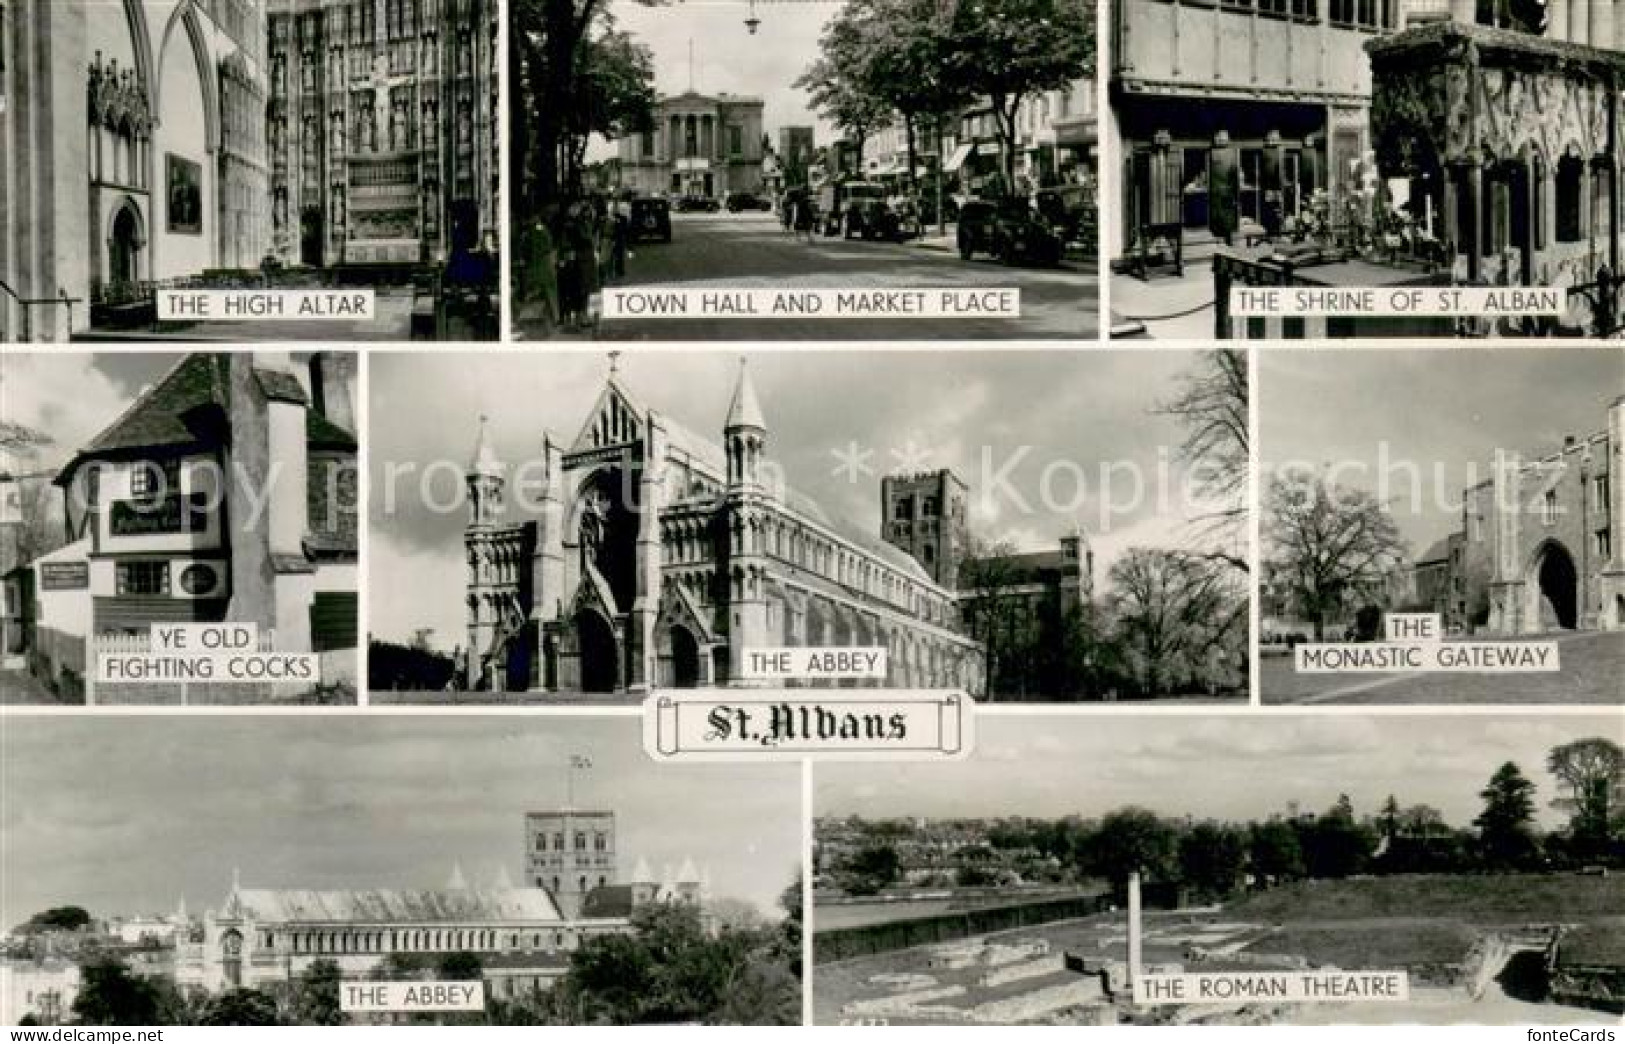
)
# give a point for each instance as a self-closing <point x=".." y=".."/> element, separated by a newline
<point x="659" y="558"/>
<point x="1538" y="549"/>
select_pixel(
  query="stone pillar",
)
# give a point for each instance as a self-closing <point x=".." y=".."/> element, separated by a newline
<point x="1618" y="42"/>
<point x="1579" y="21"/>
<point x="1557" y="22"/>
<point x="647" y="580"/>
<point x="1602" y="23"/>
<point x="1475" y="205"/>
<point x="547" y="566"/>
<point x="1135" y="949"/>
<point x="1464" y="12"/>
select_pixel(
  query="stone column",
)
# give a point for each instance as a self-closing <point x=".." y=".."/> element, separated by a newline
<point x="1135" y="949"/>
<point x="1579" y="21"/>
<point x="1475" y="204"/>
<point x="1463" y="11"/>
<point x="1557" y="22"/>
<point x="1602" y="23"/>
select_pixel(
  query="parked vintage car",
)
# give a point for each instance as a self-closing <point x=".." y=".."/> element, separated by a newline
<point x="738" y="201"/>
<point x="866" y="213"/>
<point x="1010" y="229"/>
<point x="697" y="204"/>
<point x="650" y="220"/>
<point x="840" y="206"/>
<point x="1071" y="211"/>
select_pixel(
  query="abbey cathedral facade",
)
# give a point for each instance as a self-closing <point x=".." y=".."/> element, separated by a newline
<point x="658" y="557"/>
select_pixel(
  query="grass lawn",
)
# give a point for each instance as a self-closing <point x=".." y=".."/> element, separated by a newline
<point x="1390" y="943"/>
<point x="1468" y="898"/>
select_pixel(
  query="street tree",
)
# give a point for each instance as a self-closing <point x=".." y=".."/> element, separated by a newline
<point x="910" y="64"/>
<point x="1506" y="826"/>
<point x="551" y="57"/>
<point x="1329" y="545"/>
<point x="1591" y="773"/>
<point x="837" y="86"/>
<point x="1008" y="51"/>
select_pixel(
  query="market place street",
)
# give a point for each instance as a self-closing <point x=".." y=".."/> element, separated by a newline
<point x="1593" y="662"/>
<point x="753" y="250"/>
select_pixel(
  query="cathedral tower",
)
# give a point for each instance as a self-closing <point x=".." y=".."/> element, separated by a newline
<point x="924" y="514"/>
<point x="745" y="436"/>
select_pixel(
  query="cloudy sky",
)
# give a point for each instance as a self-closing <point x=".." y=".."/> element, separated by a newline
<point x="1231" y="767"/>
<point x="127" y="814"/>
<point x="726" y="58"/>
<point x="1444" y="410"/>
<point x="71" y="396"/>
<point x="1041" y="420"/>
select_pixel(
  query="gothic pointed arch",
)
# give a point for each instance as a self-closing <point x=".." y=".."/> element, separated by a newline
<point x="185" y="16"/>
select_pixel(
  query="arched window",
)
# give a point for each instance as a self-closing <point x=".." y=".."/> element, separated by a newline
<point x="1570" y="178"/>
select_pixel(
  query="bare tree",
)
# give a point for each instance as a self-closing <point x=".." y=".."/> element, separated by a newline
<point x="1328" y="544"/>
<point x="1211" y="406"/>
<point x="23" y="478"/>
<point x="997" y="614"/>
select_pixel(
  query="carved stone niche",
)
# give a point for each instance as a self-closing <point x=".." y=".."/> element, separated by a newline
<point x="1446" y="91"/>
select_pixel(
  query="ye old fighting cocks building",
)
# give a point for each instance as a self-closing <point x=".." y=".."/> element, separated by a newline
<point x="225" y="492"/>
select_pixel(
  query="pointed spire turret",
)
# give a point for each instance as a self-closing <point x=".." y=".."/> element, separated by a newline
<point x="483" y="461"/>
<point x="458" y="882"/>
<point x="744" y="411"/>
<point x="745" y="433"/>
<point x="503" y="883"/>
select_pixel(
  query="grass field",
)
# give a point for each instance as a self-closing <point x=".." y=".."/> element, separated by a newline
<point x="1471" y="899"/>
<point x="1600" y="942"/>
<point x="1384" y="943"/>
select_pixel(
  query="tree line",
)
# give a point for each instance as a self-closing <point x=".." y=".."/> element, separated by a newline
<point x="1211" y="859"/>
<point x="920" y="62"/>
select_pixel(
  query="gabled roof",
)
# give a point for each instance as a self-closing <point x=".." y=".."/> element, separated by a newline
<point x="1438" y="551"/>
<point x="174" y="413"/>
<point x="384" y="905"/>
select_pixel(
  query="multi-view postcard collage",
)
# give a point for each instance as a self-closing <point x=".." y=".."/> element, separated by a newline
<point x="812" y="513"/>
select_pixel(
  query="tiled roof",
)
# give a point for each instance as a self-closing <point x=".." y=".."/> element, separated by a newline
<point x="1438" y="551"/>
<point x="608" y="901"/>
<point x="159" y="416"/>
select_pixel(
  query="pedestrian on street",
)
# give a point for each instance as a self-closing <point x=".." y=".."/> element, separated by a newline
<point x="539" y="272"/>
